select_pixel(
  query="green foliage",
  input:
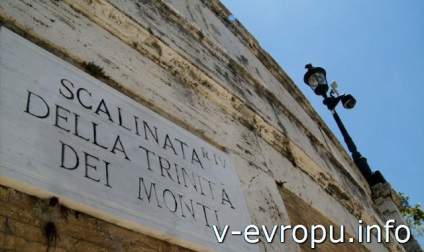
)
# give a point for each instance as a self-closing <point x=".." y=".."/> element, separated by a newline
<point x="94" y="69"/>
<point x="413" y="215"/>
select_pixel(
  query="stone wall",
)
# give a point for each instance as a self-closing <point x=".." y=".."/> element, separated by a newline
<point x="187" y="62"/>
<point x="28" y="223"/>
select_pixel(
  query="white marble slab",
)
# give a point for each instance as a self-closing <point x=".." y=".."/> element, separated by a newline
<point x="65" y="134"/>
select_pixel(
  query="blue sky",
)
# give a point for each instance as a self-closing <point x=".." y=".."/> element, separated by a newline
<point x="375" y="51"/>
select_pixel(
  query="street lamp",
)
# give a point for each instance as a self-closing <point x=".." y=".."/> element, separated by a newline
<point x="316" y="78"/>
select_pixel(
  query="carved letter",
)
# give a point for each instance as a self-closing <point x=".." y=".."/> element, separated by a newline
<point x="42" y="102"/>
<point x="64" y="156"/>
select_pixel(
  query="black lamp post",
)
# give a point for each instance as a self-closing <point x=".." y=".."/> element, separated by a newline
<point x="316" y="78"/>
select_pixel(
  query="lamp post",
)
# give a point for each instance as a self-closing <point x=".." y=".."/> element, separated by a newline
<point x="316" y="78"/>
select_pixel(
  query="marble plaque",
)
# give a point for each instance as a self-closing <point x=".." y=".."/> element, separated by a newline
<point x="63" y="133"/>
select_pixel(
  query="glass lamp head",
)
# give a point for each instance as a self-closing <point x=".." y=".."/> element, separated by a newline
<point x="316" y="78"/>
